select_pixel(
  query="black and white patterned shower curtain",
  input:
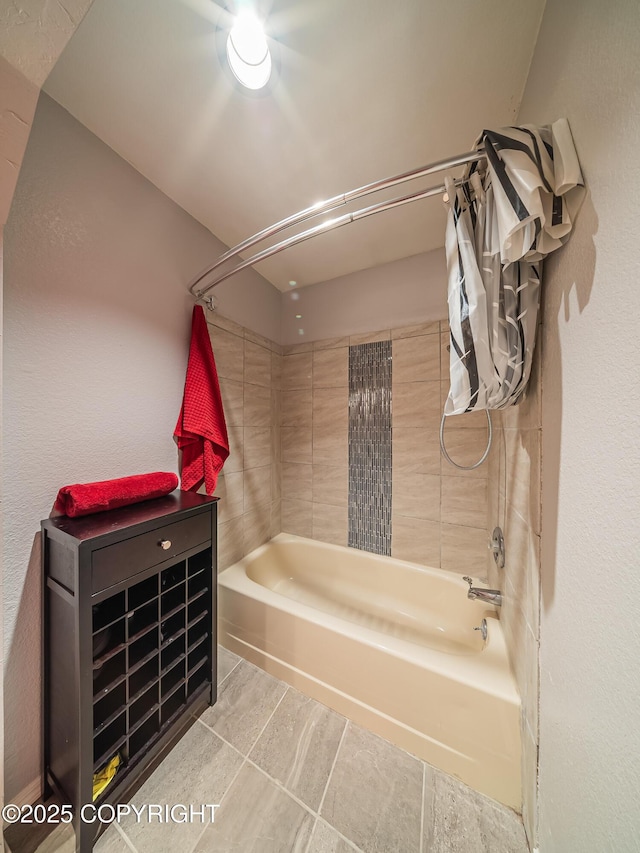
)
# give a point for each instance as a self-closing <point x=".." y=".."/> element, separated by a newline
<point x="514" y="209"/>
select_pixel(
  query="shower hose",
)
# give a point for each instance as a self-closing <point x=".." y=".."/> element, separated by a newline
<point x="482" y="458"/>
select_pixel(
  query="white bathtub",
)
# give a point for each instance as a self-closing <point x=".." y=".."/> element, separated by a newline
<point x="388" y="644"/>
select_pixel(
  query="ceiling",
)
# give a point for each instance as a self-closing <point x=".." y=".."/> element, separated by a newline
<point x="364" y="89"/>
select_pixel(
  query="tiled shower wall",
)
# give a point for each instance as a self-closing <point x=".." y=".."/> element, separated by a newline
<point x="249" y="369"/>
<point x="315" y="457"/>
<point x="439" y="514"/>
<point x="514" y="505"/>
<point x="370" y="447"/>
<point x="295" y="441"/>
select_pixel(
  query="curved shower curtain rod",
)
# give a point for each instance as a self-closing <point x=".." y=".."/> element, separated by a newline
<point x="330" y="224"/>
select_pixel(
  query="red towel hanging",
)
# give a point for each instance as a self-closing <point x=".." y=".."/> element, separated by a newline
<point x="201" y="431"/>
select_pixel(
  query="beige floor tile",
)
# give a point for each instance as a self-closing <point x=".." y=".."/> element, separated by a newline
<point x="458" y="820"/>
<point x="109" y="842"/>
<point x="529" y="786"/>
<point x="199" y="769"/>
<point x="227" y="662"/>
<point x="246" y="700"/>
<point x="374" y="796"/>
<point x="326" y="840"/>
<point x="299" y="745"/>
<point x="257" y="816"/>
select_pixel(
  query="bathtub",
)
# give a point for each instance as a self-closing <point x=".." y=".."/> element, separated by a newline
<point x="390" y="645"/>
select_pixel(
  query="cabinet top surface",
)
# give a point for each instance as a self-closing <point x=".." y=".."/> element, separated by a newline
<point x="115" y="520"/>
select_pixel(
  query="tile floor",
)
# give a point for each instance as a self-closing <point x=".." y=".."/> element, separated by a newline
<point x="292" y="775"/>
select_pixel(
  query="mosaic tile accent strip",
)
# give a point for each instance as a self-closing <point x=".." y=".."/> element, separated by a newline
<point x="370" y="447"/>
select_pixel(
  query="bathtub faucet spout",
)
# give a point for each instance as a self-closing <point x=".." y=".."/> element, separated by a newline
<point x="476" y="593"/>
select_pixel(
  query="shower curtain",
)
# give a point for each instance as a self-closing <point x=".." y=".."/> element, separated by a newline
<point x="513" y="210"/>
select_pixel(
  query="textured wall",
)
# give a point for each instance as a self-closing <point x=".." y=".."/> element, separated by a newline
<point x="33" y="34"/>
<point x="96" y="326"/>
<point x="412" y="290"/>
<point x="587" y="67"/>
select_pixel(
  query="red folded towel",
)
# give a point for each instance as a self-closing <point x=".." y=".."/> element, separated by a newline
<point x="201" y="431"/>
<point x="85" y="498"/>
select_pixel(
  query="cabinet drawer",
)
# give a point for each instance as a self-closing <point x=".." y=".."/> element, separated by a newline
<point x="124" y="559"/>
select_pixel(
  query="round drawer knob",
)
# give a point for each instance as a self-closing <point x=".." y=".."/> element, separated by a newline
<point x="165" y="544"/>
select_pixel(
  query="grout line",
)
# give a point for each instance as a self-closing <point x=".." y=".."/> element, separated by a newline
<point x="231" y="783"/>
<point x="229" y="786"/>
<point x="280" y="786"/>
<point x="302" y="804"/>
<point x="229" y="673"/>
<point x="335" y="759"/>
<point x="287" y="688"/>
<point x="125" y="837"/>
<point x="235" y="748"/>
<point x="313" y="832"/>
<point x="342" y="837"/>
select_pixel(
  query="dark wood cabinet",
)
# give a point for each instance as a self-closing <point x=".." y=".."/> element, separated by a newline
<point x="129" y="643"/>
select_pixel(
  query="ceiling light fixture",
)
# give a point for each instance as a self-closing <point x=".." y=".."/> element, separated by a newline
<point x="248" y="52"/>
